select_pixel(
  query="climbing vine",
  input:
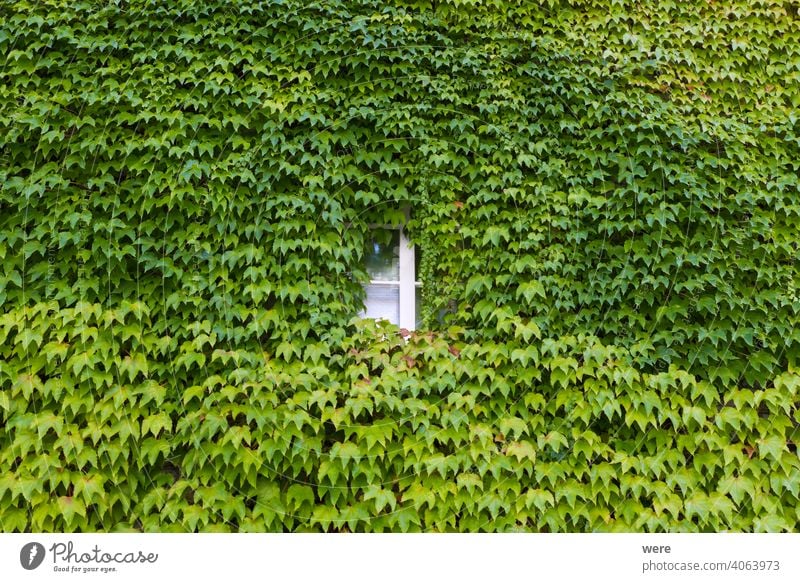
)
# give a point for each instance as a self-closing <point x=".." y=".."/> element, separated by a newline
<point x="605" y="196"/>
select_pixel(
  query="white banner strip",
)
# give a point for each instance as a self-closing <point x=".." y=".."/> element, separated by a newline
<point x="416" y="557"/>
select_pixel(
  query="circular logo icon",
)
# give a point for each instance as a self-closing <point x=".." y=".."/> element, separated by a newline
<point x="31" y="555"/>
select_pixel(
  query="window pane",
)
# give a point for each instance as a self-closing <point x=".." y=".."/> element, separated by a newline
<point x="383" y="255"/>
<point x="383" y="302"/>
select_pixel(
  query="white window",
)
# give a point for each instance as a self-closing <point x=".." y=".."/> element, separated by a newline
<point x="393" y="291"/>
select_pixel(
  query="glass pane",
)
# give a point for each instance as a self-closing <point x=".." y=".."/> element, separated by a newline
<point x="383" y="255"/>
<point x="383" y="302"/>
<point x="417" y="261"/>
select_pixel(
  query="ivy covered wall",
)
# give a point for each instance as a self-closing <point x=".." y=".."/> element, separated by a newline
<point x="606" y="197"/>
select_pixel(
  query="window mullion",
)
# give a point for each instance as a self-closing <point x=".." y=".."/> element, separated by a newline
<point x="408" y="317"/>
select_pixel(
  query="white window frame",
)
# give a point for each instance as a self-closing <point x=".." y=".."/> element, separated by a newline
<point x="407" y="282"/>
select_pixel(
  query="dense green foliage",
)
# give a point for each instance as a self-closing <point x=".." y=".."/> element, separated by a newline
<point x="606" y="196"/>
